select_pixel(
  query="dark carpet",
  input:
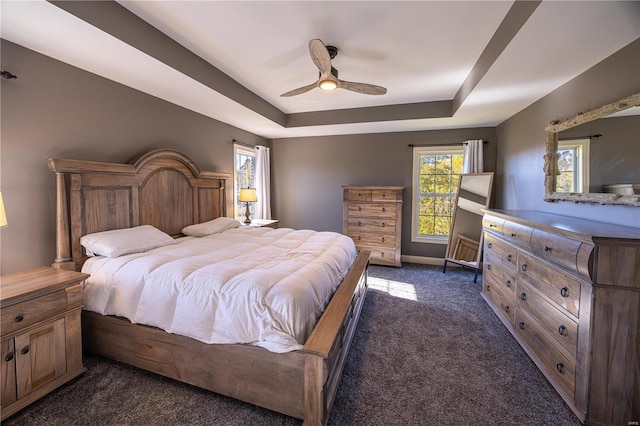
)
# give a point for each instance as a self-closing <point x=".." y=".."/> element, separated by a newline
<point x="428" y="351"/>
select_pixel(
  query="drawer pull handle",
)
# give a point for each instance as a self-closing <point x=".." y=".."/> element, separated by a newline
<point x="508" y="283"/>
<point x="560" y="367"/>
<point x="489" y="245"/>
<point x="562" y="330"/>
<point x="19" y="318"/>
<point x="546" y="248"/>
<point x="25" y="350"/>
<point x="9" y="357"/>
<point x="524" y="267"/>
<point x="491" y="225"/>
<point x="564" y="292"/>
<point x="489" y="267"/>
<point x="359" y="223"/>
<point x="358" y="237"/>
<point x="521" y="325"/>
<point x="513" y="235"/>
<point x="523" y="296"/>
<point x="509" y="258"/>
<point x="488" y="288"/>
<point x="506" y="309"/>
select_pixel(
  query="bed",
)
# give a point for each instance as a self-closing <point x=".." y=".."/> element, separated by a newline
<point x="167" y="190"/>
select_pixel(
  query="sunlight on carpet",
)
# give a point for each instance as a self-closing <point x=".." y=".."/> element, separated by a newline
<point x="393" y="288"/>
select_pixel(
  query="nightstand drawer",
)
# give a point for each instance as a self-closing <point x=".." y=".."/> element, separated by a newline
<point x="24" y="314"/>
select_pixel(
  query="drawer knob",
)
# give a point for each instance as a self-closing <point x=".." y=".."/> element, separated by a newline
<point x="384" y="224"/>
<point x="359" y="194"/>
<point x="9" y="357"/>
<point x="560" y="367"/>
<point x="524" y="267"/>
<point x="508" y="283"/>
<point x="513" y="235"/>
<point x="521" y="325"/>
<point x="19" y="318"/>
<point x="382" y="254"/>
<point x="358" y="237"/>
<point x="564" y="292"/>
<point x="509" y="258"/>
<point x="488" y="288"/>
<point x="383" y="239"/>
<point x="25" y="350"/>
<point x="489" y="245"/>
<point x="562" y="330"/>
<point x="547" y="248"/>
<point x="359" y="223"/>
<point x="523" y="296"/>
<point x="507" y="309"/>
<point x="384" y="194"/>
<point x="359" y="208"/>
<point x="491" y="225"/>
<point x="384" y="209"/>
<point x="489" y="267"/>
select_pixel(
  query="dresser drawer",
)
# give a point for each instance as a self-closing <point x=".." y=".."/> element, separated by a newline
<point x="556" y="249"/>
<point x="381" y="255"/>
<point x="357" y="195"/>
<point x="517" y="234"/>
<point x="24" y="314"/>
<point x="499" y="275"/>
<point x="386" y="195"/>
<point x="501" y="301"/>
<point x="493" y="224"/>
<point x="378" y="210"/>
<point x="499" y="255"/>
<point x="561" y="327"/>
<point x="375" y="225"/>
<point x="559" y="366"/>
<point x="363" y="238"/>
<point x="556" y="285"/>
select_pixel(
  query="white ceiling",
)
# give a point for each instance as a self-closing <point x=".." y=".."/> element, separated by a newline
<point x="421" y="51"/>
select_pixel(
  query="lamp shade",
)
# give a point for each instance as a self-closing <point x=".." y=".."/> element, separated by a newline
<point x="248" y="195"/>
<point x="3" y="215"/>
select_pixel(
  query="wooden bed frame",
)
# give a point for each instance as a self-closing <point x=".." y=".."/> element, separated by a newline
<point x="166" y="189"/>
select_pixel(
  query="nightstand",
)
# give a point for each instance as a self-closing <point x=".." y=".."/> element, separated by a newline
<point x="41" y="341"/>
<point x="259" y="223"/>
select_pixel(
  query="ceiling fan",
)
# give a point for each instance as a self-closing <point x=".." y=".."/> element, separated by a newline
<point x="322" y="55"/>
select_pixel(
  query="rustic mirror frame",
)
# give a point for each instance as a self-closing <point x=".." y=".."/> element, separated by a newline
<point x="551" y="164"/>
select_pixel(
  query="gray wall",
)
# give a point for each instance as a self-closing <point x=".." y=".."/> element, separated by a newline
<point x="56" y="110"/>
<point x="308" y="174"/>
<point x="521" y="139"/>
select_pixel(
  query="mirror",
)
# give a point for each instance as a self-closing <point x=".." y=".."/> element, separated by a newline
<point x="465" y="235"/>
<point x="612" y="166"/>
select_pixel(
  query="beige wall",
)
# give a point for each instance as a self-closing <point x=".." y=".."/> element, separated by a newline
<point x="521" y="139"/>
<point x="56" y="110"/>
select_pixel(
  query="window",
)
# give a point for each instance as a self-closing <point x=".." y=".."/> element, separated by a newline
<point x="243" y="177"/>
<point x="435" y="182"/>
<point x="573" y="165"/>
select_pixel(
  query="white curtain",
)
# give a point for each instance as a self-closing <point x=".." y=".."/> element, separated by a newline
<point x="472" y="156"/>
<point x="263" y="183"/>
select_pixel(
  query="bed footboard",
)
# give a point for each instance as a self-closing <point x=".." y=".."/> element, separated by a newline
<point x="327" y="348"/>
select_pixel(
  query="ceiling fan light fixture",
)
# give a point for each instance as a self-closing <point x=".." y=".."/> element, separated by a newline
<point x="328" y="85"/>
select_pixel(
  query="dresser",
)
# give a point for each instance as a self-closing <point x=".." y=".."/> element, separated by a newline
<point x="569" y="292"/>
<point x="41" y="342"/>
<point x="372" y="217"/>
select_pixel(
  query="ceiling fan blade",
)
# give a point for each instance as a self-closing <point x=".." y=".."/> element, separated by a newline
<point x="300" y="90"/>
<point x="363" y="88"/>
<point x="320" y="56"/>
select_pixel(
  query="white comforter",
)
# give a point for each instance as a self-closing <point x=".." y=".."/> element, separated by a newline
<point x="260" y="286"/>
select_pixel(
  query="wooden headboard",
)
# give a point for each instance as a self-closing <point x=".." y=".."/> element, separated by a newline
<point x="163" y="188"/>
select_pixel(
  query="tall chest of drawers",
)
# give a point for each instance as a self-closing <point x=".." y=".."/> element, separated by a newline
<point x="372" y="217"/>
<point x="569" y="292"/>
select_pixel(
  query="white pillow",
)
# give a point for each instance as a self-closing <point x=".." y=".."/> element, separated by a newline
<point x="211" y="227"/>
<point x="119" y="242"/>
